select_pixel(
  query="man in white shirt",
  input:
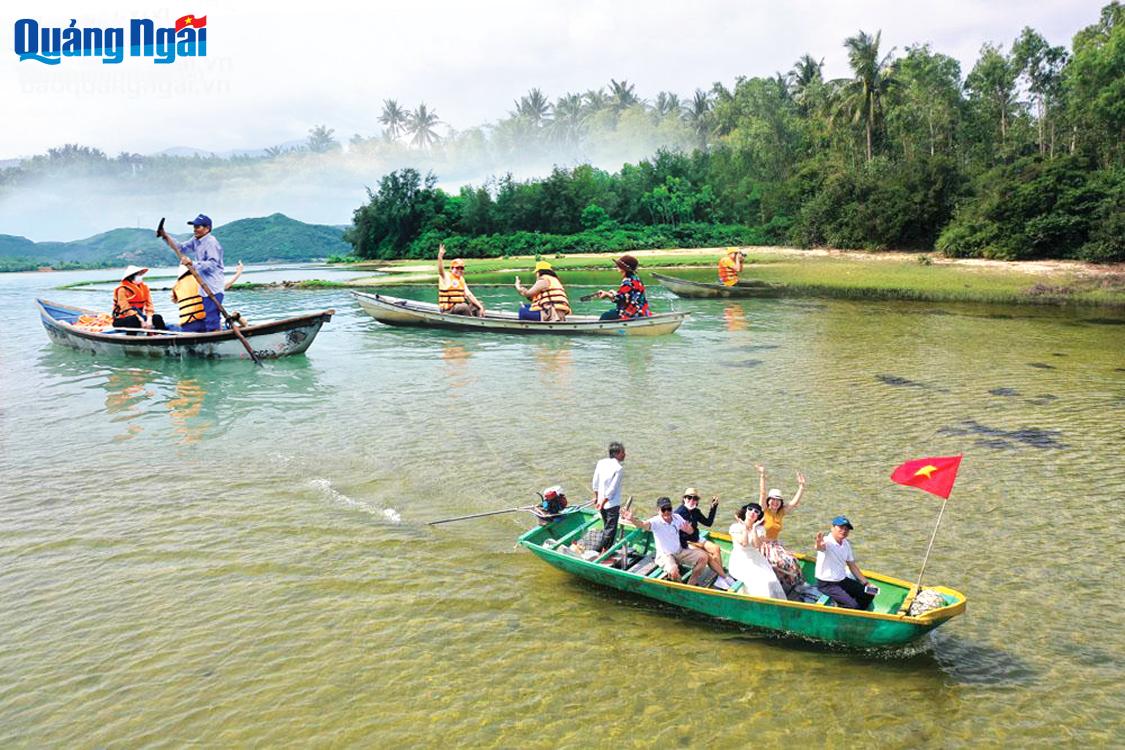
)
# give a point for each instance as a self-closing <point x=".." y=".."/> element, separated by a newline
<point x="834" y="558"/>
<point x="670" y="553"/>
<point x="607" y="492"/>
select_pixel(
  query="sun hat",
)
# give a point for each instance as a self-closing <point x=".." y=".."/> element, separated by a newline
<point x="626" y="262"/>
<point x="693" y="492"/>
<point x="775" y="493"/>
<point x="542" y="266"/>
<point x="200" y="221"/>
<point x="132" y="270"/>
<point x="457" y="263"/>
<point x="842" y="521"/>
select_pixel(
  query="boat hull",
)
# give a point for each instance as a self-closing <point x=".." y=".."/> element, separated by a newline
<point x="877" y="629"/>
<point x="703" y="290"/>
<point x="268" y="340"/>
<point x="401" y="312"/>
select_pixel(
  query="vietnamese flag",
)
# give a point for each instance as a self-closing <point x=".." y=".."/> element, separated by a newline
<point x="196" y="22"/>
<point x="934" y="475"/>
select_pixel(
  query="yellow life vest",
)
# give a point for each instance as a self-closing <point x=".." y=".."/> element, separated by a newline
<point x="554" y="295"/>
<point x="188" y="299"/>
<point x="451" y="291"/>
<point x="727" y="275"/>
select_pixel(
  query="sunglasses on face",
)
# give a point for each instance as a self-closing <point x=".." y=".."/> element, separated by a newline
<point x="691" y="497"/>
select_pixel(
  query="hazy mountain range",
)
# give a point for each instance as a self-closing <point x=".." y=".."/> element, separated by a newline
<point x="258" y="240"/>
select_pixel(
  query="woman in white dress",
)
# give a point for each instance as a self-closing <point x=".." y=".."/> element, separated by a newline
<point x="747" y="563"/>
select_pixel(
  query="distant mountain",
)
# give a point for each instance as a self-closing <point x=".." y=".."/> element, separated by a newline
<point x="190" y="151"/>
<point x="259" y="240"/>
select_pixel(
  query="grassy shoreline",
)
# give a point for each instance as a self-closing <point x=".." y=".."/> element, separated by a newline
<point x="815" y="273"/>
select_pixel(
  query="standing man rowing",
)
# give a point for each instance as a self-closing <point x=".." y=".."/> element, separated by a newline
<point x="208" y="261"/>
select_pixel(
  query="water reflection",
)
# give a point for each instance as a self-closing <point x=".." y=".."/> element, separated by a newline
<point x="126" y="394"/>
<point x="554" y="361"/>
<point x="456" y="359"/>
<point x="735" y="318"/>
<point x="185" y="409"/>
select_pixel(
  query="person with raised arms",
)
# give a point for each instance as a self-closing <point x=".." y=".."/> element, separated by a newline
<point x="548" y="296"/>
<point x="666" y="527"/>
<point x="454" y="296"/>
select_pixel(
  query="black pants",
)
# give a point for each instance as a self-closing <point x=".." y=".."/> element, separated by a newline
<point x="847" y="593"/>
<point x="609" y="521"/>
<point x="134" y="321"/>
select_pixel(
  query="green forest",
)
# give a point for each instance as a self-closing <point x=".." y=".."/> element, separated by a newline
<point x="1020" y="157"/>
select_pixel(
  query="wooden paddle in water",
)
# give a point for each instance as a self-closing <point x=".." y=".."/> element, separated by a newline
<point x="191" y="267"/>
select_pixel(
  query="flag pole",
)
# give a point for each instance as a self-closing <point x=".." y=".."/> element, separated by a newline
<point x="913" y="593"/>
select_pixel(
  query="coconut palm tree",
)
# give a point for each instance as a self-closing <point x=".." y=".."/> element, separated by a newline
<point x="667" y="103"/>
<point x="861" y="98"/>
<point x="394" y="119"/>
<point x="595" y="100"/>
<point x="621" y="95"/>
<point x="569" y="117"/>
<point x="420" y="127"/>
<point x="697" y="114"/>
<point x="535" y="108"/>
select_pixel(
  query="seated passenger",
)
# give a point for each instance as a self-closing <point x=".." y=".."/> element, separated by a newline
<point x="670" y="554"/>
<point x="746" y="561"/>
<point x="189" y="299"/>
<point x="690" y="512"/>
<point x="549" y="302"/>
<point x="834" y="558"/>
<point x="629" y="299"/>
<point x="784" y="564"/>
<point x="132" y="302"/>
<point x="454" y="296"/>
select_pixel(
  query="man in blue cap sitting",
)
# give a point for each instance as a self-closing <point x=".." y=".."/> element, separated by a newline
<point x="208" y="261"/>
<point x="834" y="558"/>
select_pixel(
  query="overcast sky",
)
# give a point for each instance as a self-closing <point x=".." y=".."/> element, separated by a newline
<point x="274" y="70"/>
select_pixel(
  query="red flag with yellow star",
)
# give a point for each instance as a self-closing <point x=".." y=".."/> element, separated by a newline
<point x="196" y="22"/>
<point x="934" y="475"/>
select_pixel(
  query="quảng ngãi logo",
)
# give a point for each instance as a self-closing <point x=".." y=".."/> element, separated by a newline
<point x="49" y="44"/>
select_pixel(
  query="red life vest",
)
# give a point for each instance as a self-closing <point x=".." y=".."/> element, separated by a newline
<point x="138" y="299"/>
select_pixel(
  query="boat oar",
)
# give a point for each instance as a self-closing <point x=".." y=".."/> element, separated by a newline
<point x="480" y="515"/>
<point x="587" y="297"/>
<point x="230" y="321"/>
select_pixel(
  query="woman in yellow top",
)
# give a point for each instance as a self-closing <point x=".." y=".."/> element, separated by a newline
<point x="786" y="567"/>
<point x="549" y="302"/>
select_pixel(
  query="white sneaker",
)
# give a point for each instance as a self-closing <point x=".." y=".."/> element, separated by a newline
<point x="721" y="584"/>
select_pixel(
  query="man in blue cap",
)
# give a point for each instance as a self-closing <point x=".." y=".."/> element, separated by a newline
<point x="208" y="261"/>
<point x="834" y="558"/>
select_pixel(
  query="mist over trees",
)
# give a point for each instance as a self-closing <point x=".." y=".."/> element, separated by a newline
<point x="1021" y="156"/>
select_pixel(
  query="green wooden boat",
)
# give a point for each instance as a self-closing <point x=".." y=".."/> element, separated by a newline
<point x="881" y="627"/>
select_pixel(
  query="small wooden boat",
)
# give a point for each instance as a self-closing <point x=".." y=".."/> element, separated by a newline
<point x="269" y="340"/>
<point x="881" y="627"/>
<point x="705" y="290"/>
<point x="404" y="312"/>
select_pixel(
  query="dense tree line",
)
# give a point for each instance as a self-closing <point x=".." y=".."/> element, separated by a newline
<point x="1020" y="158"/>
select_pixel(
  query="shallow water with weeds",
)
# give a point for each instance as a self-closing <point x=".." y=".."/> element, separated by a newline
<point x="209" y="553"/>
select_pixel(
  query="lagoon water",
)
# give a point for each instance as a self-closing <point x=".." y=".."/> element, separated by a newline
<point x="205" y="553"/>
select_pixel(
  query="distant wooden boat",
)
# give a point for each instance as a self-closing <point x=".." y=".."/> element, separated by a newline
<point x="269" y="340"/>
<point x="404" y="312"/>
<point x="704" y="290"/>
<point x="880" y="627"/>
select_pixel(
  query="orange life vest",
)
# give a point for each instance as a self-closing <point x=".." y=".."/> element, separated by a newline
<point x="451" y="291"/>
<point x="188" y="299"/>
<point x="727" y="275"/>
<point x="554" y="295"/>
<point x="137" y="299"/>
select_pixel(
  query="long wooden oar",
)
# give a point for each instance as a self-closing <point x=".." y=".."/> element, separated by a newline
<point x="230" y="321"/>
<point x="481" y="515"/>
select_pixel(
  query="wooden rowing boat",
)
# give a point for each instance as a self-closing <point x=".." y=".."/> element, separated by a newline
<point x="403" y="312"/>
<point x="705" y="290"/>
<point x="269" y="340"/>
<point x="880" y="627"/>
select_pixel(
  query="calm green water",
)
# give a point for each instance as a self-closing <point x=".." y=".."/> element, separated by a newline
<point x="213" y="554"/>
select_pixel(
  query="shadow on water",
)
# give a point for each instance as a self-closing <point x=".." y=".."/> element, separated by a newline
<point x="995" y="437"/>
<point x="902" y="382"/>
<point x="955" y="659"/>
<point x="1004" y="392"/>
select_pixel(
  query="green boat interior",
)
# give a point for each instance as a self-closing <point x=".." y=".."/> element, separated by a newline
<point x="634" y="553"/>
